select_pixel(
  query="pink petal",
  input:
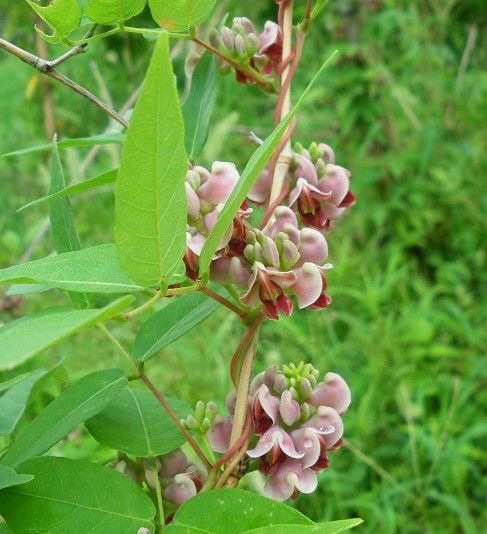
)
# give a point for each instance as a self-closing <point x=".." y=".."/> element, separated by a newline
<point x="239" y="273"/>
<point x="313" y="247"/>
<point x="195" y="242"/>
<point x="333" y="391"/>
<point x="289" y="408"/>
<point x="288" y="477"/>
<point x="181" y="490"/>
<point x="173" y="463"/>
<point x="220" y="271"/>
<point x="309" y="284"/>
<point x="223" y="179"/>
<point x="219" y="433"/>
<point x="270" y="36"/>
<point x="323" y="421"/>
<point x="328" y="153"/>
<point x="308" y="442"/>
<point x="305" y="170"/>
<point x="274" y="436"/>
<point x="282" y="216"/>
<point x="269" y="403"/>
<point x="282" y="279"/>
<point x="261" y="188"/>
<point x="336" y="182"/>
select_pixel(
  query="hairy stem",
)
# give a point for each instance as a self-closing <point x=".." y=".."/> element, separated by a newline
<point x="172" y="414"/>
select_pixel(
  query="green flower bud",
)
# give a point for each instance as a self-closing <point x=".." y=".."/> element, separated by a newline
<point x="205" y="425"/>
<point x="211" y="411"/>
<point x="249" y="254"/>
<point x="252" y="44"/>
<point x="313" y="151"/>
<point x="240" y="47"/>
<point x="199" y="411"/>
<point x="289" y="255"/>
<point x="228" y="40"/>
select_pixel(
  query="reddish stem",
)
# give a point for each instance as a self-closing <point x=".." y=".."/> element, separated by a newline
<point x="172" y="414"/>
<point x="238" y="444"/>
<point x="222" y="300"/>
<point x="242" y="347"/>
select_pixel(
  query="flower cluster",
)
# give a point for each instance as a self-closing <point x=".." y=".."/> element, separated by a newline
<point x="296" y="421"/>
<point x="320" y="189"/>
<point x="242" y="43"/>
<point x="287" y="257"/>
<point x="179" y="477"/>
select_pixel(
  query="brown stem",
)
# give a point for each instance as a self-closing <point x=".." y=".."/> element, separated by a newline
<point x="250" y="74"/>
<point x="172" y="414"/>
<point x="46" y="68"/>
<point x="230" y="468"/>
<point x="222" y="300"/>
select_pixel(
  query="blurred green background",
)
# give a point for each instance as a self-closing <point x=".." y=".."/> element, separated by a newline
<point x="405" y="108"/>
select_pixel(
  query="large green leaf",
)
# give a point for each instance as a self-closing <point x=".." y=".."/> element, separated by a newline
<point x="135" y="422"/>
<point x="254" y="167"/>
<point x="170" y="323"/>
<point x="329" y="527"/>
<point x="198" y="107"/>
<point x="94" y="270"/>
<point x="236" y="511"/>
<point x="108" y="177"/>
<point x="14" y="402"/>
<point x="24" y="338"/>
<point x="109" y="11"/>
<point x="4" y="386"/>
<point x="150" y="199"/>
<point x="103" y="139"/>
<point x="8" y="477"/>
<point x="79" y="402"/>
<point x="75" y="497"/>
<point x="61" y="215"/>
<point x="179" y="15"/>
<point x="63" y="16"/>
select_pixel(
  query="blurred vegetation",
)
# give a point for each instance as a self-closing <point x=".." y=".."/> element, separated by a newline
<point x="405" y="108"/>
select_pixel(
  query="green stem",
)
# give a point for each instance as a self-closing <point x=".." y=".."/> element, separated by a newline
<point x="207" y="449"/>
<point x="155" y="31"/>
<point x="160" y="523"/>
<point x="141" y="309"/>
<point x="98" y="36"/>
<point x="117" y="344"/>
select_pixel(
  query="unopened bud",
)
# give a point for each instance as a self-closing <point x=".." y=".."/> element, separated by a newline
<point x="313" y="151"/>
<point x="280" y="383"/>
<point x="305" y="387"/>
<point x="199" y="411"/>
<point x="228" y="39"/>
<point x="252" y="42"/>
<point x="289" y="255"/>
<point x="305" y="411"/>
<point x="240" y="46"/>
<point x="191" y="423"/>
<point x="320" y="168"/>
<point x="211" y="411"/>
<point x="205" y="425"/>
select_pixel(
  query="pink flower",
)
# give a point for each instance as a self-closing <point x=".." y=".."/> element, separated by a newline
<point x="289" y="479"/>
<point x="333" y="392"/>
<point x="184" y="487"/>
<point x="219" y="433"/>
<point x="310" y="285"/>
<point x="265" y="410"/>
<point x="274" y="445"/>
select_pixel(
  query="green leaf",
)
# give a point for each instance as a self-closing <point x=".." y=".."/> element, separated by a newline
<point x="24" y="338"/>
<point x="14" y="402"/>
<point x="77" y="403"/>
<point x="330" y="527"/>
<point x="4" y="386"/>
<point x="135" y="422"/>
<point x="170" y="323"/>
<point x="110" y="11"/>
<point x="198" y="107"/>
<point x="8" y="477"/>
<point x="76" y="497"/>
<point x="61" y="215"/>
<point x="108" y="177"/>
<point x="80" y="142"/>
<point x="150" y="199"/>
<point x="179" y="15"/>
<point x="254" y="167"/>
<point x="236" y="511"/>
<point x="93" y="270"/>
<point x="63" y="16"/>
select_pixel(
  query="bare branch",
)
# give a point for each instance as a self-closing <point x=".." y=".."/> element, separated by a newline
<point x="47" y="68"/>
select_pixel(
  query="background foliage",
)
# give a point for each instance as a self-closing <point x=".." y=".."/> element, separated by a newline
<point x="405" y="108"/>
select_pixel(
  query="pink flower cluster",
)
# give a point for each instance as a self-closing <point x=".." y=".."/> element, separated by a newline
<point x="180" y="478"/>
<point x="242" y="43"/>
<point x="287" y="257"/>
<point x="296" y="422"/>
<point x="320" y="189"/>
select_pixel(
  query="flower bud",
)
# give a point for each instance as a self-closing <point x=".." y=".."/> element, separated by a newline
<point x="199" y="411"/>
<point x="305" y="411"/>
<point x="205" y="425"/>
<point x="211" y="411"/>
<point x="288" y="408"/>
<point x="240" y="46"/>
<point x="305" y="387"/>
<point x="313" y="151"/>
<point x="191" y="423"/>
<point x="214" y="38"/>
<point x="280" y="383"/>
<point x="252" y="44"/>
<point x="289" y="255"/>
<point x="245" y="24"/>
<point x="228" y="39"/>
<point x="326" y="152"/>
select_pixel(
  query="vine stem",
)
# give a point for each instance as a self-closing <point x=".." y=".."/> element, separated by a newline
<point x="47" y="67"/>
<point x="222" y="300"/>
<point x="172" y="414"/>
<point x="283" y="106"/>
<point x="160" y="522"/>
<point x="241" y="405"/>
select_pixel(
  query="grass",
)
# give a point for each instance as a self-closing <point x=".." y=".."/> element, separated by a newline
<point x="405" y="107"/>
